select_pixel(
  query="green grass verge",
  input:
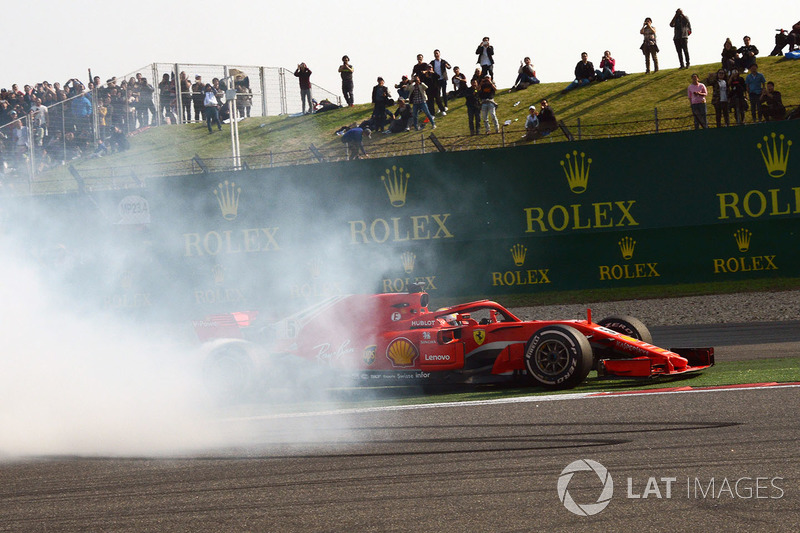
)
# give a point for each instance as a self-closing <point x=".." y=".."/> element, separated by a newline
<point x="777" y="370"/>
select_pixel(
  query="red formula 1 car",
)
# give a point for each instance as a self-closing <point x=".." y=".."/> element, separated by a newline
<point x="389" y="338"/>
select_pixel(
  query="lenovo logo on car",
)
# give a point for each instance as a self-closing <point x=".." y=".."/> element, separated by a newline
<point x="435" y="358"/>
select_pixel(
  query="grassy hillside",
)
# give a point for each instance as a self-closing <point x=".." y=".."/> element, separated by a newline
<point x="615" y="107"/>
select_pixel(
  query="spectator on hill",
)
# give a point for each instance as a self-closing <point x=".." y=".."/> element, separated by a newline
<point x="145" y="103"/>
<point x="485" y="54"/>
<point x="531" y="124"/>
<point x="721" y="97"/>
<point x="584" y="73"/>
<point x="747" y="54"/>
<point x="683" y="29"/>
<point x="793" y="39"/>
<point x="473" y="104"/>
<point x="82" y="113"/>
<point x="781" y="40"/>
<point x="649" y="47"/>
<point x="354" y="139"/>
<point x="211" y="105"/>
<point x="730" y="56"/>
<point x="431" y="79"/>
<point x="198" y="97"/>
<point x="738" y="96"/>
<point x="606" y="70"/>
<point x="186" y="97"/>
<point x="304" y="75"/>
<point x="346" y="72"/>
<point x="166" y="98"/>
<point x="547" y="118"/>
<point x="460" y="84"/>
<point x="697" y="99"/>
<point x="420" y="67"/>
<point x="402" y="117"/>
<point x="403" y="87"/>
<point x="244" y="100"/>
<point x="440" y="67"/>
<point x="419" y="102"/>
<point x="526" y="75"/>
<point x="380" y="98"/>
<point x="486" y="92"/>
<point x="38" y="114"/>
<point x="772" y="107"/>
<point x="755" y="85"/>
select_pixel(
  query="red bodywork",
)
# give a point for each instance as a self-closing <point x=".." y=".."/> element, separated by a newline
<point x="387" y="334"/>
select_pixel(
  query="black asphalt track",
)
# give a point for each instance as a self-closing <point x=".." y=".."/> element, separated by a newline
<point x="730" y="460"/>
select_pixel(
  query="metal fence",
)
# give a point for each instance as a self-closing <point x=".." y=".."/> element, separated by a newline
<point x="83" y="125"/>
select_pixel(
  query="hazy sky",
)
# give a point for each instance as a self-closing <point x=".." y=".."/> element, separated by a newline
<point x="56" y="41"/>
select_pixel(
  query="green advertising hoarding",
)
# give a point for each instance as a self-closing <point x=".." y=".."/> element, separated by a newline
<point x="672" y="208"/>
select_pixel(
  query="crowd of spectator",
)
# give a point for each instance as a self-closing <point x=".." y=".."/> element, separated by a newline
<point x="94" y="119"/>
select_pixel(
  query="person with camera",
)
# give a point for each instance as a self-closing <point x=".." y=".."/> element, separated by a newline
<point x="697" y="93"/>
<point x="439" y="67"/>
<point x="649" y="47"/>
<point x="304" y="75"/>
<point x="486" y="92"/>
<point x="607" y="67"/>
<point x="380" y="99"/>
<point x="683" y="29"/>
<point x="485" y="54"/>
<point x="346" y="71"/>
<point x="419" y="102"/>
<point x="211" y="105"/>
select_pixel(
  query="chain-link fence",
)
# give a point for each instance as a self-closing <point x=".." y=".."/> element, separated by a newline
<point x="79" y="121"/>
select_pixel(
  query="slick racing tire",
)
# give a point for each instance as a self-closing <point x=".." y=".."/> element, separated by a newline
<point x="558" y="357"/>
<point x="228" y="373"/>
<point x="627" y="325"/>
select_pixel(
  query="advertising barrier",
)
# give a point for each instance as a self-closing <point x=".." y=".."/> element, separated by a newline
<point x="672" y="208"/>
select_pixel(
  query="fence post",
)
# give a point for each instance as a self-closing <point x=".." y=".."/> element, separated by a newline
<point x="263" y="91"/>
<point x="282" y="90"/>
<point x="655" y="113"/>
<point x="503" y="135"/>
<point x="178" y="94"/>
<point x="422" y="140"/>
<point x="579" y="128"/>
<point x="156" y="92"/>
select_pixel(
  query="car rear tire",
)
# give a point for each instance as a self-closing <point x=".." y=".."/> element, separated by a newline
<point x="228" y="373"/>
<point x="627" y="325"/>
<point x="558" y="357"/>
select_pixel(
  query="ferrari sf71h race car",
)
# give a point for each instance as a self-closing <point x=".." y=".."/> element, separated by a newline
<point x="392" y="338"/>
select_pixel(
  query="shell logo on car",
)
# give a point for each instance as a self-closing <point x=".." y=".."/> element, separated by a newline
<point x="401" y="352"/>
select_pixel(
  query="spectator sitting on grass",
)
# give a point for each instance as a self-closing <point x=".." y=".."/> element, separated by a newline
<point x="547" y="118"/>
<point x="747" y="54"/>
<point x="402" y="87"/>
<point x="606" y="70"/>
<point x="460" y="84"/>
<point x="402" y="117"/>
<point x="525" y="75"/>
<point x="531" y="124"/>
<point x="584" y="73"/>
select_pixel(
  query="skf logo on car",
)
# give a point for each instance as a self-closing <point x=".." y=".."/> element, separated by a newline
<point x="628" y="270"/>
<point x="744" y="263"/>
<point x="577" y="172"/>
<point x="399" y="228"/>
<point x="576" y="217"/>
<point x="369" y="354"/>
<point x="512" y="278"/>
<point x="479" y="335"/>
<point x="586" y="509"/>
<point x="401" y="352"/>
<point x="759" y="203"/>
<point x="228" y="198"/>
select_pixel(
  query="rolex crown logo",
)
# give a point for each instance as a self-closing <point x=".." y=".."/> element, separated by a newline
<point x="742" y="237"/>
<point x="396" y="183"/>
<point x="775" y="154"/>
<point x="408" y="258"/>
<point x="577" y="171"/>
<point x="228" y="197"/>
<point x="126" y="280"/>
<point x="626" y="246"/>
<point x="219" y="274"/>
<point x="315" y="267"/>
<point x="518" y="252"/>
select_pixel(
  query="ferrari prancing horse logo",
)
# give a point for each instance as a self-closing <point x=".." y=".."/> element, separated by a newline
<point x="479" y="335"/>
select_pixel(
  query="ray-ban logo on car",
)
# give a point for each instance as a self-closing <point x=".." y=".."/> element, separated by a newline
<point x="585" y="509"/>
